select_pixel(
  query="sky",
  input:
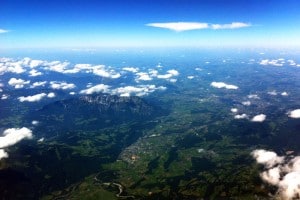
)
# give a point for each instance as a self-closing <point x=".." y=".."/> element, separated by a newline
<point x="149" y="23"/>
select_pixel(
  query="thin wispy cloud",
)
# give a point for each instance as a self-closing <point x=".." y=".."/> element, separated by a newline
<point x="188" y="26"/>
<point x="3" y="31"/>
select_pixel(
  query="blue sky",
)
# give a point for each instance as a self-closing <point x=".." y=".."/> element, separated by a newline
<point x="144" y="23"/>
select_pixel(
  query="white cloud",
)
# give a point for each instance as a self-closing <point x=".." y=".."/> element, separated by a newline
<point x="242" y="116"/>
<point x="233" y="25"/>
<point x="274" y="62"/>
<point x="268" y="158"/>
<point x="41" y="139"/>
<point x="96" y="89"/>
<point x="273" y="93"/>
<point x="100" y="70"/>
<point x="51" y="95"/>
<point x="61" y="85"/>
<point x="294" y="113"/>
<point x="282" y="172"/>
<point x="284" y="94"/>
<point x="170" y="73"/>
<point x="140" y="90"/>
<point x="3" y="31"/>
<point x="223" y="85"/>
<point x="12" y="136"/>
<point x="131" y="69"/>
<point x="180" y="26"/>
<point x="34" y="122"/>
<point x="37" y="84"/>
<point x="3" y="154"/>
<point x="4" y="96"/>
<point x="259" y="118"/>
<point x="33" y="98"/>
<point x="246" y="103"/>
<point x="234" y="110"/>
<point x="190" y="77"/>
<point x="17" y="83"/>
<point x="34" y="72"/>
<point x="187" y="26"/>
<point x="253" y="96"/>
<point x="142" y="76"/>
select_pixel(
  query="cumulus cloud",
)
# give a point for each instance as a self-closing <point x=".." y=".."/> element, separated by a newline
<point x="34" y="72"/>
<point x="234" y="110"/>
<point x="246" y="103"/>
<point x="131" y="69"/>
<point x="259" y="118"/>
<point x="101" y="70"/>
<point x="284" y="94"/>
<point x="142" y="76"/>
<point x="187" y="26"/>
<point x="223" y="85"/>
<point x="242" y="116"/>
<point x="138" y="90"/>
<point x="96" y="89"/>
<point x="33" y="98"/>
<point x="51" y="95"/>
<point x="61" y="85"/>
<point x="253" y="96"/>
<point x="282" y="172"/>
<point x="17" y="83"/>
<point x="294" y="113"/>
<point x="12" y="136"/>
<point x="37" y="84"/>
<point x="170" y="73"/>
<point x="274" y="62"/>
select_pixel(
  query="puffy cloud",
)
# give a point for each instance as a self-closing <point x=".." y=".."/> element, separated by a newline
<point x="170" y="73"/>
<point x="267" y="158"/>
<point x="282" y="172"/>
<point x="96" y="89"/>
<point x="138" y="91"/>
<point x="253" y="96"/>
<point x="32" y="98"/>
<point x="131" y="69"/>
<point x="246" y="103"/>
<point x="37" y="84"/>
<point x="51" y="95"/>
<point x="12" y="136"/>
<point x="284" y="94"/>
<point x="34" y="122"/>
<point x="277" y="63"/>
<point x="100" y="70"/>
<point x="17" y="83"/>
<point x="223" y="85"/>
<point x="142" y="76"/>
<point x="187" y="26"/>
<point x="294" y="113"/>
<point x="3" y="154"/>
<point x="4" y="96"/>
<point x="61" y="85"/>
<point x="190" y="77"/>
<point x="234" y="110"/>
<point x="259" y="118"/>
<point x="273" y="93"/>
<point x="242" y="116"/>
<point x="34" y="72"/>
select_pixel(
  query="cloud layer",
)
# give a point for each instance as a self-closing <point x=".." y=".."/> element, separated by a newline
<point x="187" y="26"/>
